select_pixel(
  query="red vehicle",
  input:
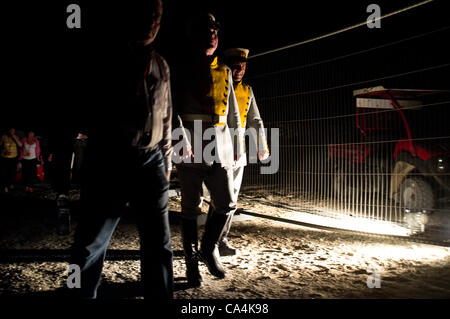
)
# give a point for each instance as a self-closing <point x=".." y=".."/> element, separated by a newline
<point x="404" y="149"/>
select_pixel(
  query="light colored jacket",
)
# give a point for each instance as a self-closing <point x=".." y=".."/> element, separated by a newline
<point x="250" y="118"/>
<point x="157" y="128"/>
<point x="191" y="106"/>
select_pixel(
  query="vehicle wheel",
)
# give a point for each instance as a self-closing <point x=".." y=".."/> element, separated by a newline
<point x="416" y="194"/>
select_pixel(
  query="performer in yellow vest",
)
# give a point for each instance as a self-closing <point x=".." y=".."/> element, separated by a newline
<point x="205" y="102"/>
<point x="236" y="59"/>
<point x="9" y="145"/>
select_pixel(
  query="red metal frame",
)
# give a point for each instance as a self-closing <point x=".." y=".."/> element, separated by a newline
<point x="395" y="104"/>
<point x="357" y="153"/>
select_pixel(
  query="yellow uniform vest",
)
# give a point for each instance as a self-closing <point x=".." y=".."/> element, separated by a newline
<point x="9" y="147"/>
<point x="243" y="96"/>
<point x="242" y="92"/>
<point x="219" y="90"/>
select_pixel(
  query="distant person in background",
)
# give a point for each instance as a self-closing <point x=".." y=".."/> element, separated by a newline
<point x="79" y="162"/>
<point x="62" y="148"/>
<point x="30" y="157"/>
<point x="236" y="60"/>
<point x="62" y="151"/>
<point x="9" y="144"/>
<point x="60" y="157"/>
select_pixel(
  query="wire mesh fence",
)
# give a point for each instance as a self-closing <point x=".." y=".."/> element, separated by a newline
<point x="363" y="124"/>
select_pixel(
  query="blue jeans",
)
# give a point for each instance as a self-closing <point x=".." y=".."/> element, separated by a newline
<point x="148" y="197"/>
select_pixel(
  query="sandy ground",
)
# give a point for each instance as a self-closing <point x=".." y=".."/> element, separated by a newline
<point x="276" y="260"/>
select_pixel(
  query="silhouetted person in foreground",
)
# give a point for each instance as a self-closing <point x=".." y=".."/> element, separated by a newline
<point x="129" y="159"/>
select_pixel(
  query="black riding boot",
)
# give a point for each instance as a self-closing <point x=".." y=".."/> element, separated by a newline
<point x="190" y="246"/>
<point x="225" y="248"/>
<point x="209" y="251"/>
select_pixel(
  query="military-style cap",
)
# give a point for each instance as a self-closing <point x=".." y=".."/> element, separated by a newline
<point x="211" y="21"/>
<point x="236" y="54"/>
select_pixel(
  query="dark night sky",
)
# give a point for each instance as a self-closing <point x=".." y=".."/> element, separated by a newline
<point x="263" y="25"/>
<point x="42" y="57"/>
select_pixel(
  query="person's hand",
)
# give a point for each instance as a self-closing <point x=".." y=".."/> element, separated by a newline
<point x="183" y="155"/>
<point x="263" y="155"/>
<point x="168" y="174"/>
<point x="188" y="153"/>
<point x="50" y="157"/>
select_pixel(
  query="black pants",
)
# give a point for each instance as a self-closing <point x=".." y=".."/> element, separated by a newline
<point x="29" y="171"/>
<point x="8" y="171"/>
<point x="79" y="162"/>
<point x="147" y="192"/>
<point x="61" y="170"/>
